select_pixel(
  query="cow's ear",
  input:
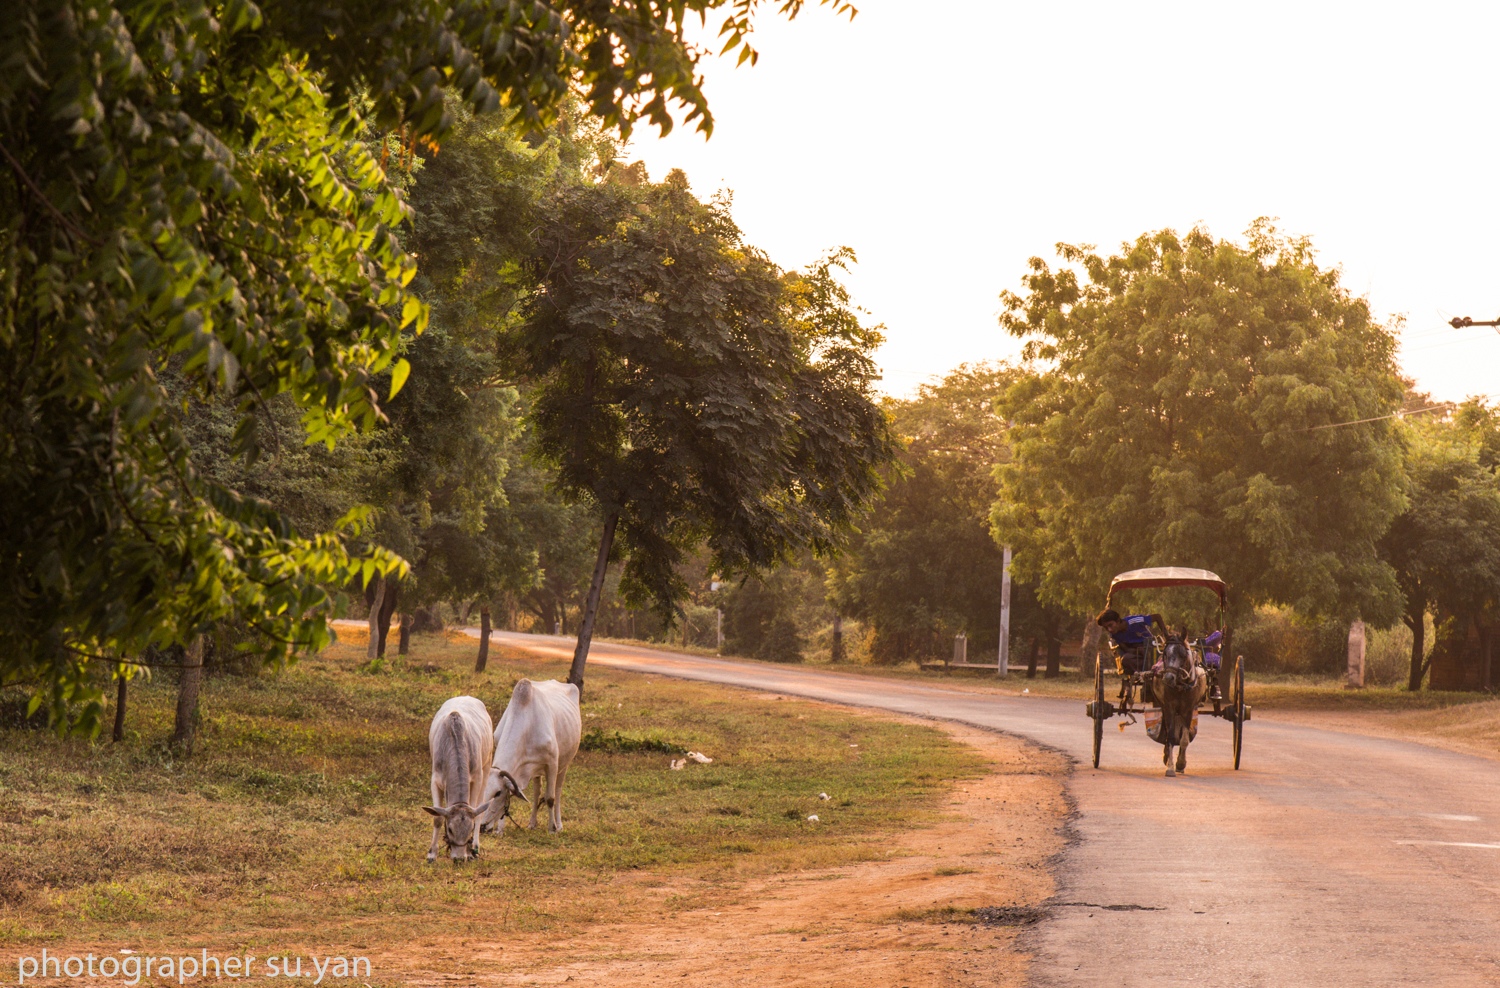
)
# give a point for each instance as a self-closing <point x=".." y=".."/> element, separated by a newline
<point x="436" y="812"/>
<point x="482" y="808"/>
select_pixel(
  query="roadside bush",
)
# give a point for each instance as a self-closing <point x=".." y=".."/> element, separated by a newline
<point x="781" y="643"/>
<point x="893" y="647"/>
<point x="750" y="608"/>
<point x="1275" y="640"/>
<point x="1388" y="655"/>
<point x="699" y="627"/>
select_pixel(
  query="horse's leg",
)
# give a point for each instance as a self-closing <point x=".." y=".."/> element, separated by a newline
<point x="1169" y="734"/>
<point x="1200" y="689"/>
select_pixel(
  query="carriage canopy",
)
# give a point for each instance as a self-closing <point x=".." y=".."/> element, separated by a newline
<point x="1168" y="576"/>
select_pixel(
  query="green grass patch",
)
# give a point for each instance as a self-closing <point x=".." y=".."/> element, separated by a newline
<point x="297" y="823"/>
<point x="618" y="744"/>
<point x="937" y="914"/>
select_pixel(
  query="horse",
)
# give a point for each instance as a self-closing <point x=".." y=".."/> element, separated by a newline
<point x="1179" y="686"/>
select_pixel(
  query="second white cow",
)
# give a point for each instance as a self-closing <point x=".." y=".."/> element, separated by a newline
<point x="536" y="738"/>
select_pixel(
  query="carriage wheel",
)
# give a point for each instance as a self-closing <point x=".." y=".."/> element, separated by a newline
<point x="1239" y="708"/>
<point x="1098" y="707"/>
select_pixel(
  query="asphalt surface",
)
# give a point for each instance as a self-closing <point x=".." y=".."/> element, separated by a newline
<point x="1328" y="859"/>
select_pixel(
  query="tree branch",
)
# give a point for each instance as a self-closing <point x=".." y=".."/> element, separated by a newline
<point x="21" y="173"/>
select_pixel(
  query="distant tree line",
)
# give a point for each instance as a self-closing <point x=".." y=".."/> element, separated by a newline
<point x="1193" y="402"/>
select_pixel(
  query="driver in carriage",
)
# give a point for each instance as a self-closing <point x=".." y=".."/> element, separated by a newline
<point x="1131" y="636"/>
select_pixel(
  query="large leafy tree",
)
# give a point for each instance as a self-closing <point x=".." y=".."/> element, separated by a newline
<point x="1205" y="404"/>
<point x="184" y="181"/>
<point x="692" y="393"/>
<point x="1445" y="547"/>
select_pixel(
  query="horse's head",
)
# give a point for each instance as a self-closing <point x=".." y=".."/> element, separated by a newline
<point x="1176" y="665"/>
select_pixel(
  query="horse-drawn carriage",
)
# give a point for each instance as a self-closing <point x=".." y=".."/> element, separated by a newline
<point x="1174" y="678"/>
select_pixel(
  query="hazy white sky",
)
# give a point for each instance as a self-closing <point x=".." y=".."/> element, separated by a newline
<point x="947" y="142"/>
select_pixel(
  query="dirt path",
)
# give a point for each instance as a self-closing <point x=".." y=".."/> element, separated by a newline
<point x="881" y="923"/>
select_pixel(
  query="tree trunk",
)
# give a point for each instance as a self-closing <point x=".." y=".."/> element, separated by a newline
<point x="546" y="612"/>
<point x="1054" y="648"/>
<point x="375" y="601"/>
<point x="1088" y="649"/>
<point x="1036" y="648"/>
<point x="387" y="608"/>
<point x="1417" y="669"/>
<point x="1487" y="643"/>
<point x="836" y="652"/>
<point x="484" y="638"/>
<point x="591" y="606"/>
<point x="405" y="646"/>
<point x="186" y="730"/>
<point x="119" y="733"/>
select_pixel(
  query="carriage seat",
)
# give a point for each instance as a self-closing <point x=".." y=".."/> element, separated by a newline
<point x="1210" y="659"/>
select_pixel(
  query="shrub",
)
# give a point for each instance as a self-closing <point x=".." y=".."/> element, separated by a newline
<point x="1277" y="641"/>
<point x="782" y="642"/>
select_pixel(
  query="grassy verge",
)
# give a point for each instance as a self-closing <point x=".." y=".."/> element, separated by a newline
<point x="296" y="827"/>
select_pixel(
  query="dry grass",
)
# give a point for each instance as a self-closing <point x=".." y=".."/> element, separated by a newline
<point x="297" y="825"/>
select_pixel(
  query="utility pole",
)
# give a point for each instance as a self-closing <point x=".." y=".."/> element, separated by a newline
<point x="1004" y="658"/>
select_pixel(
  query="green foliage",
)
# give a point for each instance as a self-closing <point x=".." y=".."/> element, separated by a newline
<point x="176" y="191"/>
<point x="923" y="566"/>
<point x="480" y="520"/>
<point x="686" y="387"/>
<point x="615" y="744"/>
<point x="749" y="609"/>
<point x="1198" y="413"/>
<point x="1445" y="547"/>
<point x="1278" y="642"/>
<point x="782" y="641"/>
<point x="186" y="184"/>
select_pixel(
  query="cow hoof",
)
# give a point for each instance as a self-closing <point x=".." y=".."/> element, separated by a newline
<point x="1170" y="773"/>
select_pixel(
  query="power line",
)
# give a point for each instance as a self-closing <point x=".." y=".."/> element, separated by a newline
<point x="1444" y="406"/>
<point x="1429" y="346"/>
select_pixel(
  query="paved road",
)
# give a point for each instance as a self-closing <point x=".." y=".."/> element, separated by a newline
<point x="1329" y="859"/>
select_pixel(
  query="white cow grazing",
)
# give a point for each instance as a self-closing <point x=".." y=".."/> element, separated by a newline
<point x="537" y="737"/>
<point x="461" y="757"/>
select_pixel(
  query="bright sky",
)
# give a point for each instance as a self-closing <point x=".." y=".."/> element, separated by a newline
<point x="947" y="142"/>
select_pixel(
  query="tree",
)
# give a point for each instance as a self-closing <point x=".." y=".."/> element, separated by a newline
<point x="184" y="179"/>
<point x="758" y="611"/>
<point x="1445" y="547"/>
<point x="923" y="565"/>
<point x="1206" y="405"/>
<point x="692" y="394"/>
